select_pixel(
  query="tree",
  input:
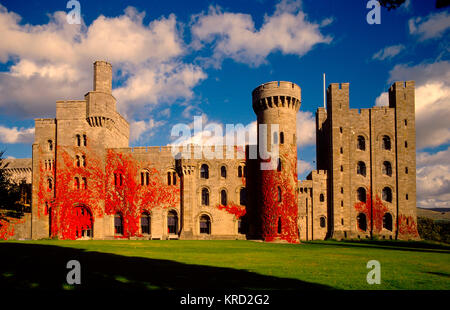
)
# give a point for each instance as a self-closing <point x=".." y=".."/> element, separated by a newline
<point x="394" y="4"/>
<point x="9" y="192"/>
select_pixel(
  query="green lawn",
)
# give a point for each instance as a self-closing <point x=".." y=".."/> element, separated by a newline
<point x="180" y="264"/>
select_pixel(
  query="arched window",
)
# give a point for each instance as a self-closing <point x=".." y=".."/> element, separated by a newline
<point x="279" y="225"/>
<point x="145" y="223"/>
<point x="361" y="194"/>
<point x="77" y="161"/>
<point x="204" y="171"/>
<point x="83" y="183"/>
<point x="145" y="177"/>
<point x="50" y="183"/>
<point x="279" y="194"/>
<point x="83" y="161"/>
<point x="172" y="222"/>
<point x="50" y="145"/>
<point x="223" y="197"/>
<point x="279" y="167"/>
<point x="118" y="224"/>
<point x="84" y="140"/>
<point x="205" y="197"/>
<point x="76" y="183"/>
<point x="240" y="171"/>
<point x="386" y="194"/>
<point x="169" y="179"/>
<point x="243" y="197"/>
<point x="323" y="221"/>
<point x="205" y="224"/>
<point x="361" y="169"/>
<point x="322" y="198"/>
<point x="386" y="143"/>
<point x="361" y="143"/>
<point x="78" y="140"/>
<point x="223" y="172"/>
<point x="387" y="221"/>
<point x="281" y="137"/>
<point x="362" y="221"/>
<point x="387" y="168"/>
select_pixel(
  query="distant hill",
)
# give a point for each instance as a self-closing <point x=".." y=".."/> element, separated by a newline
<point x="440" y="214"/>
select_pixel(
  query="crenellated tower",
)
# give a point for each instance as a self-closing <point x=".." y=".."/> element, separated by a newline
<point x="276" y="105"/>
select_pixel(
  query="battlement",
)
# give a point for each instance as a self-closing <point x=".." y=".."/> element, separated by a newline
<point x="275" y="95"/>
<point x="400" y="85"/>
<point x="338" y="87"/>
<point x="45" y="121"/>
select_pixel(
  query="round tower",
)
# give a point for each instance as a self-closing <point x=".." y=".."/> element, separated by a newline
<point x="276" y="105"/>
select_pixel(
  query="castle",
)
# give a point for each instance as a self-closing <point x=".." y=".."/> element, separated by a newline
<point x="88" y="183"/>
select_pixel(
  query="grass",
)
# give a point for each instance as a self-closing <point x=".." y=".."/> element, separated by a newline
<point x="180" y="264"/>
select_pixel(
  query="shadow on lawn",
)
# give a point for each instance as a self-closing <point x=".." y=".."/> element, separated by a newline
<point x="26" y="266"/>
<point x="415" y="246"/>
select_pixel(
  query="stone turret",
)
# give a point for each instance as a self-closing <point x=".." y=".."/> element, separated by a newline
<point x="276" y="105"/>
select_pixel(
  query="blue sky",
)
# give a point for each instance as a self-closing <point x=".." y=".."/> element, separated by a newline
<point x="173" y="60"/>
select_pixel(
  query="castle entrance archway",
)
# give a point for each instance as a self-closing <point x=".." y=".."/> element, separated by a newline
<point x="82" y="222"/>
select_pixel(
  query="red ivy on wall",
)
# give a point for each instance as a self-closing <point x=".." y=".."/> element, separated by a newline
<point x="286" y="210"/>
<point x="232" y="208"/>
<point x="7" y="227"/>
<point x="100" y="195"/>
<point x="131" y="198"/>
<point x="407" y="227"/>
<point x="379" y="209"/>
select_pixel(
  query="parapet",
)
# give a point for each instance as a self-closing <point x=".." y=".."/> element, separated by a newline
<point x="400" y="85"/>
<point x="45" y="121"/>
<point x="276" y="94"/>
<point x="335" y="87"/>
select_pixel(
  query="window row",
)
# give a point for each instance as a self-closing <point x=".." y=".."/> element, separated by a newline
<point x="204" y="171"/>
<point x="386" y="194"/>
<point x="223" y="197"/>
<point x="385" y="143"/>
<point x="361" y="220"/>
<point x="386" y="168"/>
<point x="172" y="224"/>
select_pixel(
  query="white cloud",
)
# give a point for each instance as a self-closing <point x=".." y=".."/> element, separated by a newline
<point x="209" y="132"/>
<point x="433" y="179"/>
<point x="139" y="128"/>
<point x="16" y="135"/>
<point x="53" y="61"/>
<point x="388" y="52"/>
<point x="382" y="100"/>
<point x="431" y="27"/>
<point x="306" y="128"/>
<point x="303" y="166"/>
<point x="234" y="35"/>
<point x="432" y="99"/>
<point x="155" y="83"/>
